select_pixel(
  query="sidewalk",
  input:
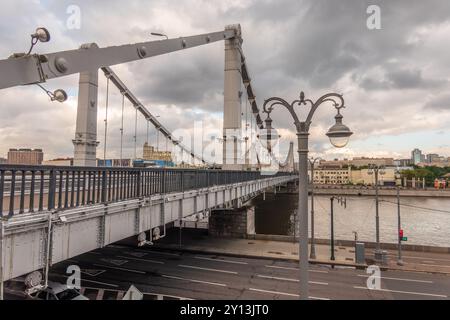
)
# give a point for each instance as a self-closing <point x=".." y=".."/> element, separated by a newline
<point x="200" y="242"/>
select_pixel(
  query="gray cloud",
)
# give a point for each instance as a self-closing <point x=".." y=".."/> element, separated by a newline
<point x="401" y="79"/>
<point x="330" y="39"/>
<point x="439" y="103"/>
<point x="185" y="79"/>
<point x="317" y="46"/>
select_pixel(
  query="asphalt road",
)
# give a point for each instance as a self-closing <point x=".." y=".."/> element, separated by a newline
<point x="204" y="276"/>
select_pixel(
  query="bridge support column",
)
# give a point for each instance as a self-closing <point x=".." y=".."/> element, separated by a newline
<point x="85" y="142"/>
<point x="232" y="223"/>
<point x="232" y="114"/>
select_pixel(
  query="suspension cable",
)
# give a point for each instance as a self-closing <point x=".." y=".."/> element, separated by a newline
<point x="251" y="130"/>
<point x="135" y="133"/>
<point x="203" y="141"/>
<point x="160" y="129"/>
<point x="246" y="117"/>
<point x="106" y="121"/>
<point x="157" y="139"/>
<point x="247" y="150"/>
<point x="121" y="131"/>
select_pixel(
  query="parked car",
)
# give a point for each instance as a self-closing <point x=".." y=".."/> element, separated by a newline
<point x="57" y="291"/>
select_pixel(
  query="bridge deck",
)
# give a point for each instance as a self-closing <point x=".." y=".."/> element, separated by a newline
<point x="51" y="214"/>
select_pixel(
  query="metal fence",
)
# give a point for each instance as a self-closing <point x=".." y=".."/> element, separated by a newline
<point x="38" y="188"/>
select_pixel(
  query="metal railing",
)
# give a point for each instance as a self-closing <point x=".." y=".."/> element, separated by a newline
<point x="28" y="189"/>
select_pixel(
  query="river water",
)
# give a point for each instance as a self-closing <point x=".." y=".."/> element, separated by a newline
<point x="425" y="221"/>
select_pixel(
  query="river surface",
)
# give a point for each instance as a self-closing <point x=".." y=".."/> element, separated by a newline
<point x="425" y="221"/>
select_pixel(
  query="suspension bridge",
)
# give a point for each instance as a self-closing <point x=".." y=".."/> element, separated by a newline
<point x="50" y="214"/>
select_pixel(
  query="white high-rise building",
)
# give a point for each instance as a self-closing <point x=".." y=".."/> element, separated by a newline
<point x="417" y="156"/>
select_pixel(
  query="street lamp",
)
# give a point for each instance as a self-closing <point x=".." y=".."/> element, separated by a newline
<point x="312" y="254"/>
<point x="268" y="139"/>
<point x="399" y="226"/>
<point x="57" y="95"/>
<point x="338" y="135"/>
<point x="41" y="35"/>
<point x="377" y="170"/>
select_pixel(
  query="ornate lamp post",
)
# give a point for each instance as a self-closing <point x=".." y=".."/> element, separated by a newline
<point x="338" y="134"/>
<point x="377" y="170"/>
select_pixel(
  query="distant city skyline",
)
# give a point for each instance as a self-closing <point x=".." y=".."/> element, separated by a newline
<point x="140" y="155"/>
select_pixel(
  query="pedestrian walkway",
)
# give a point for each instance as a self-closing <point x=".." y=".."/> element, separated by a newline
<point x="199" y="241"/>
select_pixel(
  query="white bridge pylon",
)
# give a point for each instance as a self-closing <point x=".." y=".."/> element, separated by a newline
<point x="27" y="69"/>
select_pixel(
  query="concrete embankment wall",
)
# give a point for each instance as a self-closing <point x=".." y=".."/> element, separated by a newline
<point x="383" y="192"/>
<point x="330" y="190"/>
<point x="351" y="243"/>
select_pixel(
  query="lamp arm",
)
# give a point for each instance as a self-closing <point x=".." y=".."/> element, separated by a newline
<point x="330" y="97"/>
<point x="276" y="101"/>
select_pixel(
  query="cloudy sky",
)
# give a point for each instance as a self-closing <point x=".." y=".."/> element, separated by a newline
<point x="395" y="80"/>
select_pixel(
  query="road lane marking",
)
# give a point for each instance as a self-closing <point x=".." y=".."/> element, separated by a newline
<point x="288" y="279"/>
<point x="284" y="268"/>
<point x="163" y="253"/>
<point x="399" y="279"/>
<point x="136" y="254"/>
<point x="284" y="293"/>
<point x="122" y="269"/>
<point x="406" y="292"/>
<point x="84" y="280"/>
<point x="143" y="251"/>
<point x="193" y="280"/>
<point x="115" y="262"/>
<point x="207" y="269"/>
<point x="344" y="267"/>
<point x="295" y="269"/>
<point x="220" y="260"/>
<point x="433" y="265"/>
<point x="103" y="283"/>
<point x="274" y="292"/>
<point x="93" y="272"/>
<point x="145" y="260"/>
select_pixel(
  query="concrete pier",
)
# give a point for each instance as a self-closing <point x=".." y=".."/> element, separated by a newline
<point x="232" y="223"/>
